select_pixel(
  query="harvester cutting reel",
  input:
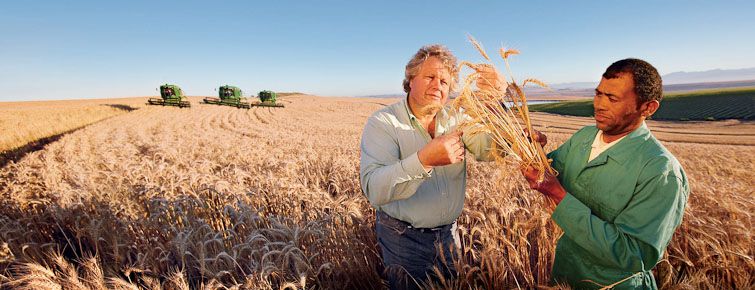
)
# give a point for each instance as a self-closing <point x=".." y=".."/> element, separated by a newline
<point x="170" y="95"/>
<point x="228" y="96"/>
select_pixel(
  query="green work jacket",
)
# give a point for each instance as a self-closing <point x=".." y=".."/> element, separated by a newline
<point x="620" y="210"/>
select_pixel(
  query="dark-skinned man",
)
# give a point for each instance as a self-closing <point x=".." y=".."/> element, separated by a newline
<point x="620" y="193"/>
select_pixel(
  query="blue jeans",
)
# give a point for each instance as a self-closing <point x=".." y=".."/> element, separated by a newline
<point x="409" y="254"/>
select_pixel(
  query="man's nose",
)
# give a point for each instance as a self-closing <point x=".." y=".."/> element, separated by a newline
<point x="599" y="102"/>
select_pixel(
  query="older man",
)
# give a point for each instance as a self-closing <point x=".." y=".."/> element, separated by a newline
<point x="413" y="171"/>
<point x="620" y="193"/>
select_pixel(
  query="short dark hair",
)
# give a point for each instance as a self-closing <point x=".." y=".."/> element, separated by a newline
<point x="647" y="82"/>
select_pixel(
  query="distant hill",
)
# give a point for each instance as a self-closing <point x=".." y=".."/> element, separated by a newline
<point x="384" y="96"/>
<point x="707" y="85"/>
<point x="708" y="76"/>
<point x="575" y="85"/>
<point x="709" y="104"/>
<point x="672" y="88"/>
<point x="673" y="82"/>
<point x="284" y="94"/>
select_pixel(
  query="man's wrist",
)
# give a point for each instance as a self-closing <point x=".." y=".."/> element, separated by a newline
<point x="558" y="194"/>
<point x="423" y="162"/>
<point x="427" y="168"/>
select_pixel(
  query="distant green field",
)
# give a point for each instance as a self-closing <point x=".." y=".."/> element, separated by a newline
<point x="717" y="104"/>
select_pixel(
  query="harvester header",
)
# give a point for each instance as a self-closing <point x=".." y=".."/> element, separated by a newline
<point x="268" y="99"/>
<point x="170" y="95"/>
<point x="229" y="96"/>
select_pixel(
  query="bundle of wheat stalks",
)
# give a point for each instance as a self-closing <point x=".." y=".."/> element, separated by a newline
<point x="486" y="107"/>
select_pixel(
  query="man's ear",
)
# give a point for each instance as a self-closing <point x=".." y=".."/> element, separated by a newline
<point x="649" y="108"/>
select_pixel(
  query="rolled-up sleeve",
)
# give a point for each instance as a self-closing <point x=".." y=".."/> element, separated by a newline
<point x="385" y="177"/>
<point x="476" y="140"/>
<point x="478" y="143"/>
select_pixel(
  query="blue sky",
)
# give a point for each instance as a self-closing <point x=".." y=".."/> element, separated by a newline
<point x="100" y="49"/>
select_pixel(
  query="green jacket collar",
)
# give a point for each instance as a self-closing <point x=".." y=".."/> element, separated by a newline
<point x="622" y="151"/>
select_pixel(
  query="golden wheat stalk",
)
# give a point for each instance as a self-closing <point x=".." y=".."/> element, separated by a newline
<point x="508" y="127"/>
<point x="479" y="47"/>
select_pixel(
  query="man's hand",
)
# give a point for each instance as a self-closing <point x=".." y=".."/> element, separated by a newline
<point x="489" y="79"/>
<point x="550" y="186"/>
<point x="538" y="137"/>
<point x="443" y="150"/>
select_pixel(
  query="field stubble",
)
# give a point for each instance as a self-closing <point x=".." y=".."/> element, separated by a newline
<point x="216" y="197"/>
<point x="25" y="122"/>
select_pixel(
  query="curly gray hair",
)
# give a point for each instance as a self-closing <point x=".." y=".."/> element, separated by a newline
<point x="427" y="51"/>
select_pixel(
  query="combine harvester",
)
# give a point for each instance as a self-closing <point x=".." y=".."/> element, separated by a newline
<point x="229" y="96"/>
<point x="268" y="99"/>
<point x="171" y="95"/>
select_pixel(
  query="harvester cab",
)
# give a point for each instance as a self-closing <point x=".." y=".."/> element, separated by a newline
<point x="268" y="99"/>
<point x="170" y="95"/>
<point x="229" y="96"/>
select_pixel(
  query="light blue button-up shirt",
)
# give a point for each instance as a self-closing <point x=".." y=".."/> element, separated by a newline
<point x="394" y="180"/>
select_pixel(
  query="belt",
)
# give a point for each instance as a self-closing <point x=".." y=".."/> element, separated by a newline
<point x="387" y="218"/>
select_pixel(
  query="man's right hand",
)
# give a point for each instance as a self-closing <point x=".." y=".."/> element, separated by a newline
<point x="550" y="186"/>
<point x="443" y="150"/>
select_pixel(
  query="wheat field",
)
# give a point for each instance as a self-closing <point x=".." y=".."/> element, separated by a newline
<point x="220" y="198"/>
<point x="25" y="122"/>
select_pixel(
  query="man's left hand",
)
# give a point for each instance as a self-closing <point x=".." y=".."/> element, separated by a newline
<point x="538" y="137"/>
<point x="489" y="79"/>
<point x="550" y="186"/>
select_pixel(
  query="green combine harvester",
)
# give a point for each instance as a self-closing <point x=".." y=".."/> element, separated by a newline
<point x="268" y="99"/>
<point x="229" y="96"/>
<point x="171" y="95"/>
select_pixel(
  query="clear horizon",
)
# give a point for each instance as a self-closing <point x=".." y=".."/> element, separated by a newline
<point x="87" y="49"/>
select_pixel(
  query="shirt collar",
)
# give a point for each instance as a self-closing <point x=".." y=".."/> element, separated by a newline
<point x="599" y="144"/>
<point x="409" y="113"/>
<point x="626" y="148"/>
<point x="441" y="115"/>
